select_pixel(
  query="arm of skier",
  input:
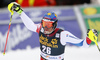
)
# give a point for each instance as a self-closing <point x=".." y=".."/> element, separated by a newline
<point x="26" y="20"/>
<point x="29" y="23"/>
<point x="67" y="37"/>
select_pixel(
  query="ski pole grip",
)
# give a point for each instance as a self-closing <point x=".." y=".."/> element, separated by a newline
<point x="9" y="8"/>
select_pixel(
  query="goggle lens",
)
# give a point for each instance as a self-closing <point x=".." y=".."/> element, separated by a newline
<point x="47" y="24"/>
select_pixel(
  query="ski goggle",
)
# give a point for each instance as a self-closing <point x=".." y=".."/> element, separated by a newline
<point x="47" y="23"/>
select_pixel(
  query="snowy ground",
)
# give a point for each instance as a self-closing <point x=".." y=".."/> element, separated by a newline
<point x="71" y="53"/>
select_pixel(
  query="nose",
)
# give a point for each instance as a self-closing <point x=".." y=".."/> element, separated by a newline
<point x="46" y="27"/>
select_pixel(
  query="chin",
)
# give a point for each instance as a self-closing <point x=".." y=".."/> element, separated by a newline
<point x="47" y="32"/>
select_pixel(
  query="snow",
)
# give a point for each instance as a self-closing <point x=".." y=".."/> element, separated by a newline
<point x="71" y="53"/>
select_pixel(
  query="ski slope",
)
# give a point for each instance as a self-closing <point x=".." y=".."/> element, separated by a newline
<point x="71" y="53"/>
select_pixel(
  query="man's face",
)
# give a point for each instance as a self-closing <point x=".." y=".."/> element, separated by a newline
<point x="48" y="30"/>
<point x="48" y="26"/>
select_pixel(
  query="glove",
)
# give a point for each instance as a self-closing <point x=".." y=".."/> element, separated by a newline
<point x="92" y="34"/>
<point x="15" y="7"/>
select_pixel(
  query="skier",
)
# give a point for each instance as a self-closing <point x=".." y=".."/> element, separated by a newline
<point x="52" y="39"/>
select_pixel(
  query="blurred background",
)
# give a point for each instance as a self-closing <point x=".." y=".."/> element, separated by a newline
<point x="75" y="16"/>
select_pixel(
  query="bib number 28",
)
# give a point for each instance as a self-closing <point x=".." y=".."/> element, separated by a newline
<point x="46" y="49"/>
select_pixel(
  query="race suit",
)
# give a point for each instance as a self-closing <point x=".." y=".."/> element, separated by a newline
<point x="52" y="45"/>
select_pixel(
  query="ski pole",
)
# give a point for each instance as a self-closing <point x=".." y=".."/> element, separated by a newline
<point x="7" y="34"/>
<point x="97" y="46"/>
<point x="9" y="8"/>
